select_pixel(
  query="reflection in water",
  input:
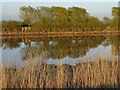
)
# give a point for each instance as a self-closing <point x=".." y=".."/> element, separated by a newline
<point x="57" y="49"/>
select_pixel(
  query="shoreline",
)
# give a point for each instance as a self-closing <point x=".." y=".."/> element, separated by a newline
<point x="57" y="34"/>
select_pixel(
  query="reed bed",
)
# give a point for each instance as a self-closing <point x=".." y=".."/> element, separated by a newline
<point x="95" y="74"/>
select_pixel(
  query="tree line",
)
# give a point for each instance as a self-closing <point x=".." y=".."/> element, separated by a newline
<point x="113" y="23"/>
<point x="60" y="19"/>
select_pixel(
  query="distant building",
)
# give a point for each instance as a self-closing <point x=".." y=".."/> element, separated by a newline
<point x="108" y="27"/>
<point x="26" y="28"/>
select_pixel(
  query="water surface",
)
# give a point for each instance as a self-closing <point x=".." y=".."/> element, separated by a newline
<point x="59" y="50"/>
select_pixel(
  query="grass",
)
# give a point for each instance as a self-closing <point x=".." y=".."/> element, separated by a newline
<point x="99" y="73"/>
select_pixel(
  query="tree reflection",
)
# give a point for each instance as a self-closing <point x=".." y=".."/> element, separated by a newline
<point x="11" y="43"/>
<point x="61" y="47"/>
<point x="58" y="48"/>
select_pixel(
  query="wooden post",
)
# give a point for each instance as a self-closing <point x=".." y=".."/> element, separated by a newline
<point x="22" y="29"/>
<point x="29" y="28"/>
<point x="25" y="28"/>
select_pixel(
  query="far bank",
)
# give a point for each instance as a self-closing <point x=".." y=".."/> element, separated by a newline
<point x="18" y="33"/>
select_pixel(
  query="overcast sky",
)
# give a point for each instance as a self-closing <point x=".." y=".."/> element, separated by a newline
<point x="10" y="10"/>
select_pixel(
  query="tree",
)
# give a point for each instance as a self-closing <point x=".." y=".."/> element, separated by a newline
<point x="48" y="19"/>
<point x="106" y="19"/>
<point x="27" y="14"/>
<point x="115" y="11"/>
<point x="114" y="23"/>
<point x="77" y="17"/>
<point x="60" y="16"/>
<point x="11" y="26"/>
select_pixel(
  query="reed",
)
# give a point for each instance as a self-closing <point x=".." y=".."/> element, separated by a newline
<point x="98" y="73"/>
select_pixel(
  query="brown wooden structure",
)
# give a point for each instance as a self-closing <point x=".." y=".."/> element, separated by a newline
<point x="26" y="28"/>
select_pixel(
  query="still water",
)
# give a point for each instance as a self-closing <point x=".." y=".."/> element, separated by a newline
<point x="59" y="50"/>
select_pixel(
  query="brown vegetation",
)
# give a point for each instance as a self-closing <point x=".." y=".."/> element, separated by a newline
<point x="99" y="73"/>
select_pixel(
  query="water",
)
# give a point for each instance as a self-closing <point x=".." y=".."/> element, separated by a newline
<point x="59" y="50"/>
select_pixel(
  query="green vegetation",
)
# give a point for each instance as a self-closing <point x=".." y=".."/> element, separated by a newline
<point x="60" y="19"/>
<point x="113" y="23"/>
<point x="11" y="26"/>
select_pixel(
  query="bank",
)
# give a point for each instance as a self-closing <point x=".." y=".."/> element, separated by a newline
<point x="59" y="33"/>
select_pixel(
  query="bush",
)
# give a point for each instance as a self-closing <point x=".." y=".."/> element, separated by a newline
<point x="11" y="26"/>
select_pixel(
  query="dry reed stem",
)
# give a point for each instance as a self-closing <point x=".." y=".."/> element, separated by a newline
<point x="99" y="73"/>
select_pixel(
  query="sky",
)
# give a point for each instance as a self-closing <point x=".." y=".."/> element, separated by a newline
<point x="10" y="8"/>
<point x="60" y="0"/>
